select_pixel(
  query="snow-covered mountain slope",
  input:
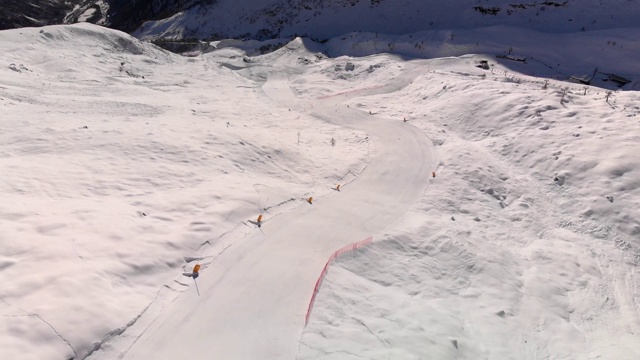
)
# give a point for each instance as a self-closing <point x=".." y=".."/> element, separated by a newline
<point x="551" y="56"/>
<point x="14" y="14"/>
<point x="118" y="161"/>
<point x="123" y="165"/>
<point x="124" y="15"/>
<point x="326" y="19"/>
<point x="128" y="15"/>
<point x="503" y="257"/>
<point x="263" y="280"/>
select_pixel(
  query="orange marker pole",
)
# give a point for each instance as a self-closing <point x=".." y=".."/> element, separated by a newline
<point x="198" y="290"/>
<point x="196" y="269"/>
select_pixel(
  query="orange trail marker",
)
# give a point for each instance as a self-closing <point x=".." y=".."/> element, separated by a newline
<point x="195" y="274"/>
<point x="310" y="200"/>
<point x="259" y="219"/>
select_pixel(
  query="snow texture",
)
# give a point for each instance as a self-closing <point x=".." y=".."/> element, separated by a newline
<point x="123" y="166"/>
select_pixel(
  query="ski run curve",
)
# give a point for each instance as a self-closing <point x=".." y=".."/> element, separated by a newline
<point x="253" y="298"/>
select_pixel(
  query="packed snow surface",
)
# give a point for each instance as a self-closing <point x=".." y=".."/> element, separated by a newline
<point x="123" y="166"/>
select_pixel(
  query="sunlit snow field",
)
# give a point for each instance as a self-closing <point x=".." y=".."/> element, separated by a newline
<point x="122" y="166"/>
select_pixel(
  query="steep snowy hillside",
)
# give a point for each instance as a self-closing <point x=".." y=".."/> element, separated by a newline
<point x="125" y="15"/>
<point x="14" y="14"/>
<point x="526" y="243"/>
<point x="128" y="15"/>
<point x="119" y="162"/>
<point x="503" y="204"/>
<point x="325" y="19"/>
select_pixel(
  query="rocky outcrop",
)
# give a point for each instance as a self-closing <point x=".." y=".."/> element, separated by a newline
<point x="128" y="15"/>
<point x="16" y="14"/>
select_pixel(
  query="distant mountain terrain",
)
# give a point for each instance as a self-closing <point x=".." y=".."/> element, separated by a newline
<point x="15" y="14"/>
<point x="18" y="14"/>
<point x="322" y="19"/>
<point x="125" y="15"/>
<point x="128" y="15"/>
<point x="318" y="19"/>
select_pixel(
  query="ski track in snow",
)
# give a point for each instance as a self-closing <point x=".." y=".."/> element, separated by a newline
<point x="554" y="268"/>
<point x="524" y="246"/>
<point x="279" y="265"/>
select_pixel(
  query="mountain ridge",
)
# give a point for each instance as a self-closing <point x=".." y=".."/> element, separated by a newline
<point x="317" y="19"/>
<point x="326" y="19"/>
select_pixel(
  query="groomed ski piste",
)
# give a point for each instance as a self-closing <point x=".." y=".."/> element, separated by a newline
<point x="502" y="203"/>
